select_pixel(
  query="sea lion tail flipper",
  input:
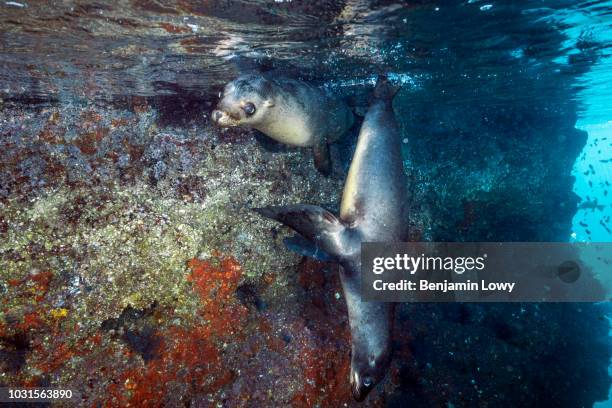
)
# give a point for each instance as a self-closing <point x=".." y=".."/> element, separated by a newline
<point x="384" y="89"/>
<point x="304" y="247"/>
<point x="322" y="158"/>
<point x="314" y="223"/>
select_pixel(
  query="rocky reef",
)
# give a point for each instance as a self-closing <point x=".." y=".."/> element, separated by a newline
<point x="134" y="272"/>
<point x="130" y="259"/>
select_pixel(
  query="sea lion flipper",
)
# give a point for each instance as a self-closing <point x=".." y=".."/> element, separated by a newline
<point x="269" y="144"/>
<point x="314" y="223"/>
<point x="322" y="158"/>
<point x="304" y="247"/>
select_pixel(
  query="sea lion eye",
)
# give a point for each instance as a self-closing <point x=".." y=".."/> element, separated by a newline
<point x="248" y="108"/>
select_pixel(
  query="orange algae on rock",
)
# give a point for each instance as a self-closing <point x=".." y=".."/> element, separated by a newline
<point x="326" y="373"/>
<point x="41" y="282"/>
<point x="55" y="358"/>
<point x="216" y="282"/>
<point x="221" y="275"/>
<point x="34" y="286"/>
<point x="88" y="142"/>
<point x="117" y="123"/>
<point x="46" y="339"/>
<point x="187" y="358"/>
<point x="173" y="29"/>
<point x="139" y="104"/>
<point x="190" y="358"/>
<point x="200" y="360"/>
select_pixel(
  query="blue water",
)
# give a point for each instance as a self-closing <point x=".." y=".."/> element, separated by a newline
<point x="593" y="167"/>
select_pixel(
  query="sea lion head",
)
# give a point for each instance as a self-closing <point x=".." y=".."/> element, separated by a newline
<point x="368" y="368"/>
<point x="246" y="102"/>
<point x="371" y="342"/>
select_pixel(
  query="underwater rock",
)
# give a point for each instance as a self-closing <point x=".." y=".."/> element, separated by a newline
<point x="109" y="247"/>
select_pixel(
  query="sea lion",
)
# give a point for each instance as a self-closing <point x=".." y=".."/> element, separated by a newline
<point x="289" y="111"/>
<point x="373" y="209"/>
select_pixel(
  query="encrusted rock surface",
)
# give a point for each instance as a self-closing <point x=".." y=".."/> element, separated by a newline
<point x="130" y="259"/>
<point x="133" y="271"/>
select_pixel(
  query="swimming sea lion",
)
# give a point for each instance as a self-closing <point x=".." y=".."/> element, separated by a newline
<point x="373" y="209"/>
<point x="289" y="111"/>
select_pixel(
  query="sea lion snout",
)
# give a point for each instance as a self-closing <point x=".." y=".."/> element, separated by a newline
<point x="370" y="357"/>
<point x="224" y="119"/>
<point x="364" y="379"/>
<point x="361" y="387"/>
